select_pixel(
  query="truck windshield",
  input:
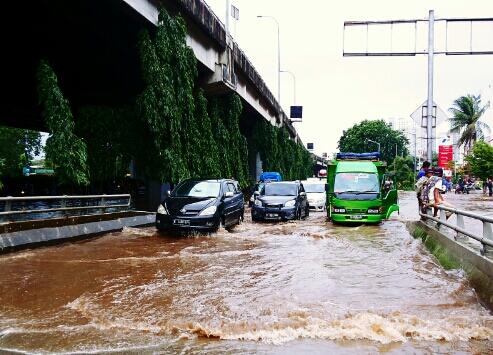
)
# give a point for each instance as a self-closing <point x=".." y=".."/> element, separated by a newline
<point x="356" y="183"/>
<point x="280" y="189"/>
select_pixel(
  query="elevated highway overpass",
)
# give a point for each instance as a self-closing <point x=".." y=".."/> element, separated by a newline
<point x="92" y="45"/>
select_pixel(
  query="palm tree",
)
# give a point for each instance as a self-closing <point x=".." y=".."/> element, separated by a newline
<point x="467" y="111"/>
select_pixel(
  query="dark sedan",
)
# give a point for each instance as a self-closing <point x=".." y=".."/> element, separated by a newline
<point x="281" y="201"/>
<point x="203" y="205"/>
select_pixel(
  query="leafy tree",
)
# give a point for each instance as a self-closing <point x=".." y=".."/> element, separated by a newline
<point x="481" y="160"/>
<point x="404" y="174"/>
<point x="467" y="110"/>
<point x="17" y="149"/>
<point x="63" y="147"/>
<point x="355" y="139"/>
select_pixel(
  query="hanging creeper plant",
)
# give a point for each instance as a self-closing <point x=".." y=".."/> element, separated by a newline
<point x="63" y="147"/>
<point x="166" y="105"/>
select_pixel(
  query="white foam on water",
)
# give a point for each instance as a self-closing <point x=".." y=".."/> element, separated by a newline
<point x="143" y="232"/>
<point x="361" y="326"/>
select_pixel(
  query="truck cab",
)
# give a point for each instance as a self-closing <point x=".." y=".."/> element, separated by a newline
<point x="359" y="190"/>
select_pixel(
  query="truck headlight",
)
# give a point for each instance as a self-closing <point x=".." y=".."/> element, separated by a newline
<point x="290" y="203"/>
<point x="375" y="210"/>
<point x="339" y="210"/>
<point x="161" y="210"/>
<point x="209" y="211"/>
<point x="258" y="203"/>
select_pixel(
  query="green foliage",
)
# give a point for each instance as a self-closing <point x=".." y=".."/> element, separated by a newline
<point x="403" y="168"/>
<point x="17" y="149"/>
<point x="355" y="139"/>
<point x="279" y="153"/>
<point x="205" y="162"/>
<point x="63" y="147"/>
<point x="166" y="106"/>
<point x="481" y="160"/>
<point x="466" y="111"/>
<point x="231" y="144"/>
<point x="108" y="149"/>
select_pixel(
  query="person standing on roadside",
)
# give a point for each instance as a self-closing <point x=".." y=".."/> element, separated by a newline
<point x="420" y="184"/>
<point x="432" y="193"/>
<point x="422" y="171"/>
<point x="489" y="185"/>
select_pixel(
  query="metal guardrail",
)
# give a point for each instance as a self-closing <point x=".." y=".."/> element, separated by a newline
<point x="102" y="203"/>
<point x="486" y="239"/>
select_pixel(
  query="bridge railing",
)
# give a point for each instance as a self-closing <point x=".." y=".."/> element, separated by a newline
<point x="13" y="207"/>
<point x="461" y="231"/>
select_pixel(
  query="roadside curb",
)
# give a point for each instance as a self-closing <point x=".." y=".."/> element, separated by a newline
<point x="452" y="254"/>
<point x="41" y="236"/>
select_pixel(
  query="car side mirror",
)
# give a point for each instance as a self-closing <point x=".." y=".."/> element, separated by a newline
<point x="228" y="194"/>
<point x="303" y="193"/>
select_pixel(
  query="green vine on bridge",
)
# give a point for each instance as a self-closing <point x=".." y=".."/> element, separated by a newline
<point x="280" y="153"/>
<point x="63" y="148"/>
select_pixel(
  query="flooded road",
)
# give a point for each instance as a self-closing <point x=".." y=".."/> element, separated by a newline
<point x="297" y="287"/>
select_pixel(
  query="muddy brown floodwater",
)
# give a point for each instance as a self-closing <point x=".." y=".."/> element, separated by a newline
<point x="295" y="287"/>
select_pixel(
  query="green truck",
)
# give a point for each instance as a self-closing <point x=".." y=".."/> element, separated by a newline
<point x="359" y="190"/>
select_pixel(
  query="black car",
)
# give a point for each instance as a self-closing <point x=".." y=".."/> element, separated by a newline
<point x="281" y="201"/>
<point x="204" y="205"/>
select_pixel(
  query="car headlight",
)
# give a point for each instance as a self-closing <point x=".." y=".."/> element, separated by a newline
<point x="339" y="210"/>
<point x="209" y="211"/>
<point x="258" y="203"/>
<point x="161" y="210"/>
<point x="290" y="203"/>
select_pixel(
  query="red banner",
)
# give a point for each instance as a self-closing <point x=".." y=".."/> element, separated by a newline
<point x="445" y="154"/>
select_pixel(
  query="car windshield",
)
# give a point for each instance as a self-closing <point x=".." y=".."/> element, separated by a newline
<point x="201" y="189"/>
<point x="280" y="189"/>
<point x="356" y="183"/>
<point x="314" y="188"/>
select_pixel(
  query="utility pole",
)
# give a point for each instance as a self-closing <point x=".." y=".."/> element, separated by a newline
<point x="429" y="113"/>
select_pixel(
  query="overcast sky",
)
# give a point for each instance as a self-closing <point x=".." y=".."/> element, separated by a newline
<point x="337" y="92"/>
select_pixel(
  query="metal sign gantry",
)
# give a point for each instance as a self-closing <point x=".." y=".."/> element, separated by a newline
<point x="430" y="53"/>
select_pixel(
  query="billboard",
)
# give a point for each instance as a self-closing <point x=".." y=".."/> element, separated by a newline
<point x="445" y="154"/>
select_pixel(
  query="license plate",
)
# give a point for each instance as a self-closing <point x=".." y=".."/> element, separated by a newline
<point x="356" y="216"/>
<point x="271" y="215"/>
<point x="181" y="222"/>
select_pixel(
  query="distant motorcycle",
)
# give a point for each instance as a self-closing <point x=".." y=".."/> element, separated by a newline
<point x="468" y="187"/>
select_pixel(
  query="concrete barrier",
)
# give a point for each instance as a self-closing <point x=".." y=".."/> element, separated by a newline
<point x="32" y="233"/>
<point x="452" y="254"/>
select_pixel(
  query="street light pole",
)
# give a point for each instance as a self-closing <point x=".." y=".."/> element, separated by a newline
<point x="278" y="57"/>
<point x="294" y="84"/>
<point x="372" y="141"/>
